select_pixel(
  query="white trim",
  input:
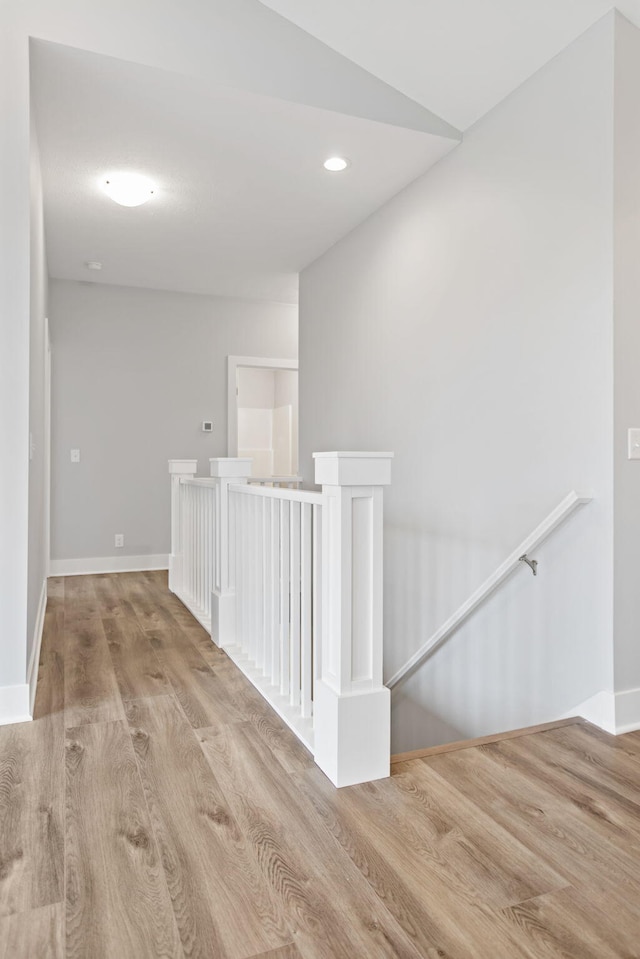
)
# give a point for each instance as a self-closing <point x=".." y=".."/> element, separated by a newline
<point x="233" y="363"/>
<point x="616" y="713"/>
<point x="599" y="710"/>
<point x="627" y="711"/>
<point x="571" y="501"/>
<point x="14" y="704"/>
<point x="32" y="671"/>
<point x="108" y="564"/>
<point x="47" y="445"/>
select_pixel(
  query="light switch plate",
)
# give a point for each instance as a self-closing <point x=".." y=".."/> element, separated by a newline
<point x="75" y="456"/>
<point x="634" y="444"/>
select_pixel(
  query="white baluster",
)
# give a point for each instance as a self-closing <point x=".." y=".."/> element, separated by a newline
<point x="198" y="546"/>
<point x="227" y="472"/>
<point x="317" y="592"/>
<point x="275" y="592"/>
<point x="306" y="651"/>
<point x="250" y="567"/>
<point x="207" y="549"/>
<point x="186" y="543"/>
<point x="235" y="507"/>
<point x="294" y="634"/>
<point x="284" y="597"/>
<point x="192" y="543"/>
<point x="177" y="468"/>
<point x="266" y="586"/>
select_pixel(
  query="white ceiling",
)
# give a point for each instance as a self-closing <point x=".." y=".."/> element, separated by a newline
<point x="243" y="202"/>
<point x="458" y="58"/>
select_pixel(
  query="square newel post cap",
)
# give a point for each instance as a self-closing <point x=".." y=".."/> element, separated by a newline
<point x="227" y="467"/>
<point x="183" y="467"/>
<point x="353" y="469"/>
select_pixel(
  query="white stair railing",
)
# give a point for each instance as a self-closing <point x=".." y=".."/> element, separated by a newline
<point x="514" y="561"/>
<point x="192" y="566"/>
<point x="277" y="548"/>
<point x="295" y="596"/>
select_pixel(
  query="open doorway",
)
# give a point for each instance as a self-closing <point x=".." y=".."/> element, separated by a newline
<point x="263" y="414"/>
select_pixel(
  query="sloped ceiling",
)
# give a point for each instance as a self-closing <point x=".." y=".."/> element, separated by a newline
<point x="242" y="202"/>
<point x="234" y="129"/>
<point x="458" y="58"/>
<point x="232" y="105"/>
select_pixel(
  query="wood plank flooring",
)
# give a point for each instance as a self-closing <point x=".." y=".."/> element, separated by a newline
<point x="157" y="807"/>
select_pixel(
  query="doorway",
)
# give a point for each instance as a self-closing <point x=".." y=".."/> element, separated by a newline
<point x="263" y="414"/>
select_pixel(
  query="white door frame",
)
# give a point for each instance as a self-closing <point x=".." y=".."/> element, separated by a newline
<point x="234" y="363"/>
<point x="47" y="447"/>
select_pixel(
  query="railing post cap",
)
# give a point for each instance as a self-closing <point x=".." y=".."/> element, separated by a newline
<point x="183" y="467"/>
<point x="353" y="468"/>
<point x="228" y="467"/>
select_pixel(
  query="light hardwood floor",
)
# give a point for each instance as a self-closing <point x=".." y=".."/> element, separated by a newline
<point x="156" y="807"/>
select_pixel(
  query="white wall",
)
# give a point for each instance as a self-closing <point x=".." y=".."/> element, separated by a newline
<point x="467" y="326"/>
<point x="286" y="394"/>
<point x="256" y="388"/>
<point x="266" y="432"/>
<point x="627" y="375"/>
<point x="134" y="374"/>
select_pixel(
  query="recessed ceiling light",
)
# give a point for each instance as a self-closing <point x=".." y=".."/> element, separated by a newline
<point x="336" y="164"/>
<point x="93" y="265"/>
<point x="128" y="189"/>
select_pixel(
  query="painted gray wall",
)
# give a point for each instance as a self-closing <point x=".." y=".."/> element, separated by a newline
<point x="38" y="544"/>
<point x="134" y="373"/>
<point x="627" y="351"/>
<point x="467" y="326"/>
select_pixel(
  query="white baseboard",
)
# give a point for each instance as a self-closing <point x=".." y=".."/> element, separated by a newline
<point x="108" y="564"/>
<point x="599" y="710"/>
<point x="627" y="711"/>
<point x="14" y="704"/>
<point x="32" y="671"/>
<point x="616" y="713"/>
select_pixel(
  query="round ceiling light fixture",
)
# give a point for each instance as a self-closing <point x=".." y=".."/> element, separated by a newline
<point x="336" y="164"/>
<point x="128" y="189"/>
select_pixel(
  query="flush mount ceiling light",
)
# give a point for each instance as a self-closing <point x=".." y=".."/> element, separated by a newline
<point x="336" y="164"/>
<point x="93" y="265"/>
<point x="128" y="189"/>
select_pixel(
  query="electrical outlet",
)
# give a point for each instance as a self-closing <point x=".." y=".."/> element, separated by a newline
<point x="119" y="540"/>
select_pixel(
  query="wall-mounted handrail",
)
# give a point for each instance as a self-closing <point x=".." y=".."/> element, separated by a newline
<point x="511" y="563"/>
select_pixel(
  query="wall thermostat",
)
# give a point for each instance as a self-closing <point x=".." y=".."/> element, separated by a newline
<point x="207" y="426"/>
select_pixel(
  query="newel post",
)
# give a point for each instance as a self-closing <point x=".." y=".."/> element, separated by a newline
<point x="227" y="472"/>
<point x="177" y="470"/>
<point x="352" y="708"/>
